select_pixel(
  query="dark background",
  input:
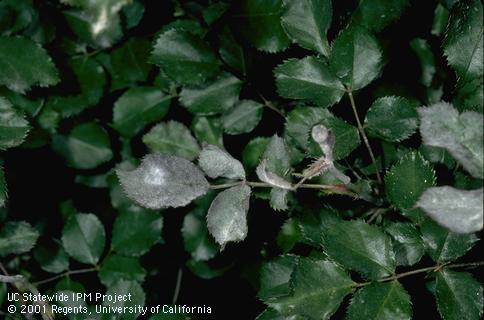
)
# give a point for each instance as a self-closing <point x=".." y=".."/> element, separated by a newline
<point x="39" y="180"/>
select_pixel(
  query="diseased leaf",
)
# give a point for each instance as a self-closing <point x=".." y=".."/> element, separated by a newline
<point x="116" y="267"/>
<point x="407" y="179"/>
<point x="356" y="58"/>
<point x="163" y="181"/>
<point x="377" y="14"/>
<point x="17" y="237"/>
<point x="227" y="215"/>
<point x="360" y="247"/>
<point x="260" y="23"/>
<point x="13" y="125"/>
<point x="137" y="108"/>
<point x="443" y="245"/>
<point x="463" y="43"/>
<point x="134" y="233"/>
<point x="216" y="162"/>
<point x="24" y="64"/>
<point x="275" y="276"/>
<point x="459" y="211"/>
<point x="172" y="137"/>
<point x="208" y="130"/>
<point x="301" y="120"/>
<point x="458" y="295"/>
<point x="196" y="238"/>
<point x="243" y="117"/>
<point x="307" y="21"/>
<point x="309" y="79"/>
<point x="86" y="147"/>
<point x="392" y="118"/>
<point x="461" y="134"/>
<point x="380" y="301"/>
<point x="184" y="57"/>
<point x="217" y="97"/>
<point x="318" y="287"/>
<point x="83" y="238"/>
<point x="407" y="243"/>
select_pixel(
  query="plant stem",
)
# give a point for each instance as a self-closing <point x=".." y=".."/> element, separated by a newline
<point x="376" y="213"/>
<point x="339" y="189"/>
<point x="363" y="135"/>
<point x="178" y="285"/>
<point x="65" y="274"/>
<point x="269" y="105"/>
<point x="423" y="270"/>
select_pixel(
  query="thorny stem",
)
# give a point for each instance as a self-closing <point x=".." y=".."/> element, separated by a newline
<point x="363" y="134"/>
<point x="65" y="274"/>
<point x="423" y="270"/>
<point x="339" y="189"/>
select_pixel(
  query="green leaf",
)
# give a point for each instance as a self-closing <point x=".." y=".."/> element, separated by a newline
<point x="301" y="120"/>
<point x="3" y="188"/>
<point x="227" y="215"/>
<point x="427" y="61"/>
<point x="216" y="163"/>
<point x="184" y="57"/>
<point x="86" y="147"/>
<point x="380" y="301"/>
<point x="208" y="130"/>
<point x="116" y="267"/>
<point x="13" y="125"/>
<point x="17" y="237"/>
<point x="408" y="179"/>
<point x="356" y="57"/>
<point x="137" y="108"/>
<point x="377" y="14"/>
<point x="289" y="235"/>
<point x="275" y="276"/>
<point x="253" y="151"/>
<point x="83" y="238"/>
<point x="360" y="247"/>
<point x="243" y="117"/>
<point x="52" y="257"/>
<point x="196" y="238"/>
<point x="216" y="97"/>
<point x="233" y="53"/>
<point x="163" y="181"/>
<point x="318" y="288"/>
<point x="122" y="288"/>
<point x="407" y="243"/>
<point x="460" y="211"/>
<point x="443" y="245"/>
<point x="458" y="295"/>
<point x="260" y="23"/>
<point x="172" y="137"/>
<point x="135" y="233"/>
<point x="24" y="64"/>
<point x="310" y="79"/>
<point x="441" y="17"/>
<point x="129" y="62"/>
<point x="463" y="43"/>
<point x="307" y="21"/>
<point x="461" y="134"/>
<point x="271" y="314"/>
<point x="469" y="95"/>
<point x="313" y="225"/>
<point x="392" y="118"/>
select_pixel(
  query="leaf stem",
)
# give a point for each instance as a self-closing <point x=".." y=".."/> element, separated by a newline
<point x="271" y="106"/>
<point x="176" y="293"/>
<point x="424" y="270"/>
<point x="363" y="134"/>
<point x="65" y="274"/>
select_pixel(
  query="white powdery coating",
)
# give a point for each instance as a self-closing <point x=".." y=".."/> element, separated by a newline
<point x="458" y="210"/>
<point x="215" y="162"/>
<point x="325" y="138"/>
<point x="227" y="215"/>
<point x="163" y="181"/>
<point x="271" y="178"/>
<point x="442" y="126"/>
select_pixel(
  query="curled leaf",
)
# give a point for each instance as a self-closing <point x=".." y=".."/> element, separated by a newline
<point x="163" y="181"/>
<point x="216" y="162"/>
<point x="271" y="178"/>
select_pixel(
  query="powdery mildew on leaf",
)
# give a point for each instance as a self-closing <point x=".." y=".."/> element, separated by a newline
<point x="271" y="178"/>
<point x="227" y="215"/>
<point x="442" y="126"/>
<point x="163" y="181"/>
<point x="216" y="162"/>
<point x="458" y="210"/>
